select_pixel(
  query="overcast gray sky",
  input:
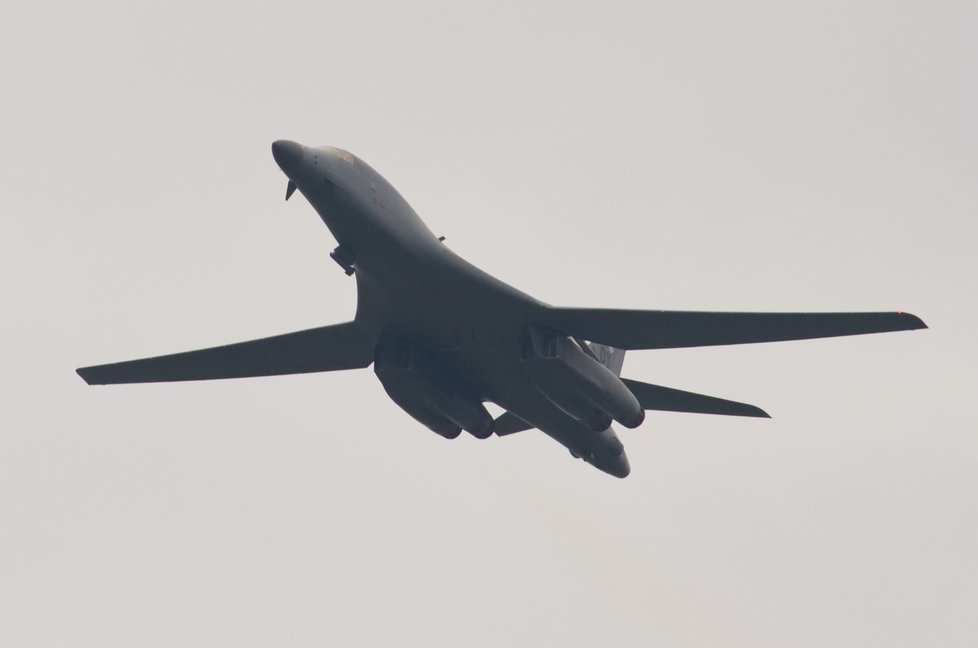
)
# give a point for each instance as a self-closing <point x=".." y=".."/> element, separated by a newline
<point x="736" y="156"/>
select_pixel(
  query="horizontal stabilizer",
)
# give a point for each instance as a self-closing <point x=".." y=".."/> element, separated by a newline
<point x="328" y="348"/>
<point x="654" y="397"/>
<point x="508" y="423"/>
<point x="651" y="329"/>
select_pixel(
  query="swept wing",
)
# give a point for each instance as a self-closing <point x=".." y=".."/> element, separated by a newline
<point x="327" y="348"/>
<point x="660" y="329"/>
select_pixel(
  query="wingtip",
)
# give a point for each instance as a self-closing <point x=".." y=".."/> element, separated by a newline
<point x="914" y="322"/>
<point x="85" y="374"/>
<point x="756" y="412"/>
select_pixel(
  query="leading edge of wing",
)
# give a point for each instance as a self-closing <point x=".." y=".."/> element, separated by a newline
<point x="327" y="348"/>
<point x="660" y="329"/>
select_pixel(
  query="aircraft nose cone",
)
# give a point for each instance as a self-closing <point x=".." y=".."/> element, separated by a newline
<point x="287" y="154"/>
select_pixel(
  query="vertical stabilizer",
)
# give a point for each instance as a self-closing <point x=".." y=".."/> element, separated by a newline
<point x="611" y="357"/>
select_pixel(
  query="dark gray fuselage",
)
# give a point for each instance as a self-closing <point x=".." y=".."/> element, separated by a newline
<point x="411" y="287"/>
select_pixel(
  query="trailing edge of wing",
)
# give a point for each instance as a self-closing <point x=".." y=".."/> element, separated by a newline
<point x="654" y="397"/>
<point x="328" y="348"/>
<point x="649" y="329"/>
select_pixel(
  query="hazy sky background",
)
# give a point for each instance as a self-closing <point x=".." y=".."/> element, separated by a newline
<point x="737" y="156"/>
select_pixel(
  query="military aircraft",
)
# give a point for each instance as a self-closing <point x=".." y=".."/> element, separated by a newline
<point x="445" y="337"/>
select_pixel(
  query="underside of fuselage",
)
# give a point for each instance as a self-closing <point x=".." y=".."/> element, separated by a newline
<point x="477" y="333"/>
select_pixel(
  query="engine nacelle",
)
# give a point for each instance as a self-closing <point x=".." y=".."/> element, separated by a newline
<point x="577" y="383"/>
<point x="428" y="391"/>
<point x="606" y="453"/>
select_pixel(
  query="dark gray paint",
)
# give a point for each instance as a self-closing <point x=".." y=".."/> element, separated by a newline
<point x="446" y="337"/>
